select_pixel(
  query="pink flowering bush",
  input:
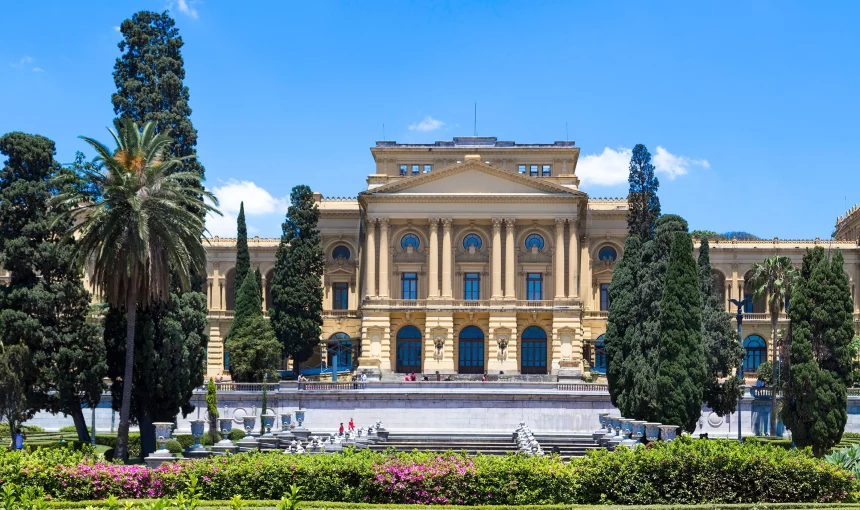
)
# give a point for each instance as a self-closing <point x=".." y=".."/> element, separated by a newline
<point x="683" y="471"/>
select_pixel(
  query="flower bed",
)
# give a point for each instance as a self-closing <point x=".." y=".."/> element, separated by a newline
<point x="681" y="472"/>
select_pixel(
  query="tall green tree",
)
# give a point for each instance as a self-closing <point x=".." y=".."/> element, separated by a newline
<point x="296" y="308"/>
<point x="621" y="326"/>
<point x="243" y="257"/>
<point x="142" y="228"/>
<point x="14" y="407"/>
<point x="254" y="350"/>
<point x="722" y="351"/>
<point x="149" y="79"/>
<point x="259" y="277"/>
<point x="815" y="397"/>
<point x="45" y="307"/>
<point x="642" y="200"/>
<point x="772" y="280"/>
<point x="212" y="411"/>
<point x="681" y="362"/>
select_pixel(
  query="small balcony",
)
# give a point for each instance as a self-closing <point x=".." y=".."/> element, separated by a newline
<point x="341" y="314"/>
<point x="463" y="305"/>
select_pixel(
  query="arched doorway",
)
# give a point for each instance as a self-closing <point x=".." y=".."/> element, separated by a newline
<point x="534" y="351"/>
<point x="471" y="347"/>
<point x="341" y="344"/>
<point x="756" y="353"/>
<point x="599" y="356"/>
<point x="408" y="350"/>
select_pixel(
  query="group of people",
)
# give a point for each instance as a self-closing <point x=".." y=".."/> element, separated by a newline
<point x="351" y="426"/>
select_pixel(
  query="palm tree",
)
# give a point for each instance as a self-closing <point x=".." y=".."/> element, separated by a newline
<point x="139" y="219"/>
<point x="773" y="279"/>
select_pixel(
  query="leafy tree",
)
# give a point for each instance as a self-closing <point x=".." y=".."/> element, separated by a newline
<point x="681" y="362"/>
<point x="212" y="410"/>
<point x="815" y="397"/>
<point x="44" y="309"/>
<point x="14" y="407"/>
<point x="772" y="280"/>
<point x="707" y="234"/>
<point x="621" y="326"/>
<point x="149" y="84"/>
<point x="642" y="200"/>
<point x="142" y="228"/>
<point x="296" y="308"/>
<point x="741" y="236"/>
<point x="642" y="400"/>
<point x="252" y="345"/>
<point x="723" y="353"/>
<point x="259" y="277"/>
<point x="243" y="258"/>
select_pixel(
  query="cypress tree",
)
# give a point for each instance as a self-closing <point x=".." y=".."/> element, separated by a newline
<point x="252" y="344"/>
<point x="815" y="397"/>
<point x="681" y="364"/>
<point x="45" y="307"/>
<point x="641" y="402"/>
<point x="212" y="411"/>
<point x="296" y="308"/>
<point x="642" y="200"/>
<point x="621" y="326"/>
<point x="259" y="277"/>
<point x="721" y="349"/>
<point x="243" y="258"/>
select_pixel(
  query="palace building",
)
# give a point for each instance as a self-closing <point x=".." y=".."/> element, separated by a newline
<point x="481" y="256"/>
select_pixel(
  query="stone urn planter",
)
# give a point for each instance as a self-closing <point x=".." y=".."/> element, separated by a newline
<point x="197" y="450"/>
<point x="249" y="442"/>
<point x="268" y="422"/>
<point x="652" y="431"/>
<point x="638" y="430"/>
<point x="603" y="418"/>
<point x="668" y="432"/>
<point x="301" y="432"/>
<point x="225" y="446"/>
<point x="162" y="435"/>
<point x="286" y="435"/>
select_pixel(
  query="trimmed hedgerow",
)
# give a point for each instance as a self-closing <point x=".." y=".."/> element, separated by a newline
<point x="681" y="472"/>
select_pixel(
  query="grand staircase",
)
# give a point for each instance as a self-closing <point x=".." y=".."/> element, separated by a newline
<point x="567" y="445"/>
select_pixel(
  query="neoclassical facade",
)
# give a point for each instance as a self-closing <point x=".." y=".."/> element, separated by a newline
<point x="481" y="256"/>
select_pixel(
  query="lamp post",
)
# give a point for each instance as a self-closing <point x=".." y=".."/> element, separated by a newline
<point x="740" y="318"/>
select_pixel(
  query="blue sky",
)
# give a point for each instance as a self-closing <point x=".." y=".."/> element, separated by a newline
<point x="752" y="107"/>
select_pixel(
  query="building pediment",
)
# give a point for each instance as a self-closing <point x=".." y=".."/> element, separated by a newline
<point x="473" y="178"/>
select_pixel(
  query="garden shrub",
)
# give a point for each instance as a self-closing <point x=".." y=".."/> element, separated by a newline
<point x="70" y="429"/>
<point x="237" y="434"/>
<point x="133" y="443"/>
<point x="174" y="446"/>
<point x="186" y="440"/>
<point x="681" y="472"/>
<point x="207" y="439"/>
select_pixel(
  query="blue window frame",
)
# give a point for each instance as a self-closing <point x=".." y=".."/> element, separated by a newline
<point x="403" y="170"/>
<point x="226" y="359"/>
<point x="607" y="253"/>
<point x="416" y="169"/>
<point x="534" y="347"/>
<point x="472" y="286"/>
<point x="341" y="252"/>
<point x="534" y="286"/>
<point x="748" y="306"/>
<point x="533" y="170"/>
<point x="521" y="169"/>
<point x="534" y="240"/>
<point x="471" y="347"/>
<point x="599" y="356"/>
<point x="428" y="169"/>
<point x="756" y="352"/>
<point x="410" y="240"/>
<point x="546" y="171"/>
<point x="340" y="296"/>
<point x="343" y="348"/>
<point x="604" y="297"/>
<point x="472" y="240"/>
<point x="408" y="350"/>
<point x="409" y="286"/>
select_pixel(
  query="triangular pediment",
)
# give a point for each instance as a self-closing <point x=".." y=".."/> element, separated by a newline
<point x="473" y="178"/>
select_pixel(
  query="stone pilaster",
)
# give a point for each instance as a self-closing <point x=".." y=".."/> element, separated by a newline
<point x="510" y="260"/>
<point x="384" y="253"/>
<point x="447" y="227"/>
<point x="573" y="262"/>
<point x="497" y="259"/>
<point x="370" y="255"/>
<point x="558" y="267"/>
<point x="433" y="259"/>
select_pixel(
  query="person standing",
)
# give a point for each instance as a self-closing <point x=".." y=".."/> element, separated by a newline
<point x="340" y="431"/>
<point x="351" y="425"/>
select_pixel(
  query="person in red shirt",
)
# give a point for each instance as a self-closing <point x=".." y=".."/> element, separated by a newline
<point x="340" y="431"/>
<point x="351" y="425"/>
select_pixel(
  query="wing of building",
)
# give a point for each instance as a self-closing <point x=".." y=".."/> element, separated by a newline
<point x="481" y="256"/>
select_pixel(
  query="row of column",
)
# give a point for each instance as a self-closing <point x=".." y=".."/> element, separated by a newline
<point x="447" y="258"/>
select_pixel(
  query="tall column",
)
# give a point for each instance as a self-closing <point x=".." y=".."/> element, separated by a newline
<point x="384" y="251"/>
<point x="447" y="226"/>
<point x="740" y="289"/>
<point x="585" y="274"/>
<point x="222" y="291"/>
<point x="497" y="259"/>
<point x="728" y="296"/>
<point x="510" y="261"/>
<point x="559" y="258"/>
<point x="573" y="261"/>
<point x="371" y="257"/>
<point x="433" y="272"/>
<point x="263" y="292"/>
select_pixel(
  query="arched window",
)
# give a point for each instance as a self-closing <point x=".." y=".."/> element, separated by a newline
<point x="340" y="252"/>
<point x="472" y="240"/>
<point x="534" y="240"/>
<point x="599" y="356"/>
<point x="471" y="347"/>
<point x="410" y="240"/>
<point x="341" y="344"/>
<point x="607" y="253"/>
<point x="756" y="354"/>
<point x="534" y="351"/>
<point x="408" y="350"/>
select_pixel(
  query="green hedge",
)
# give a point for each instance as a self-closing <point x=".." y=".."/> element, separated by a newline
<point x="363" y="506"/>
<point x="133" y="443"/>
<point x="684" y="471"/>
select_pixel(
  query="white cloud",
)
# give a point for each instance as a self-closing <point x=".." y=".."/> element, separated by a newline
<point x="667" y="163"/>
<point x="259" y="204"/>
<point x="186" y="9"/>
<point x="116" y="28"/>
<point x="38" y="70"/>
<point x="21" y="63"/>
<point x="426" y="124"/>
<point x="611" y="167"/>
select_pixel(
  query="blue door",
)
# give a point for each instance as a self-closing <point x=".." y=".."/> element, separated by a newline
<point x="408" y="350"/>
<point x="533" y="351"/>
<point x="471" y="347"/>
